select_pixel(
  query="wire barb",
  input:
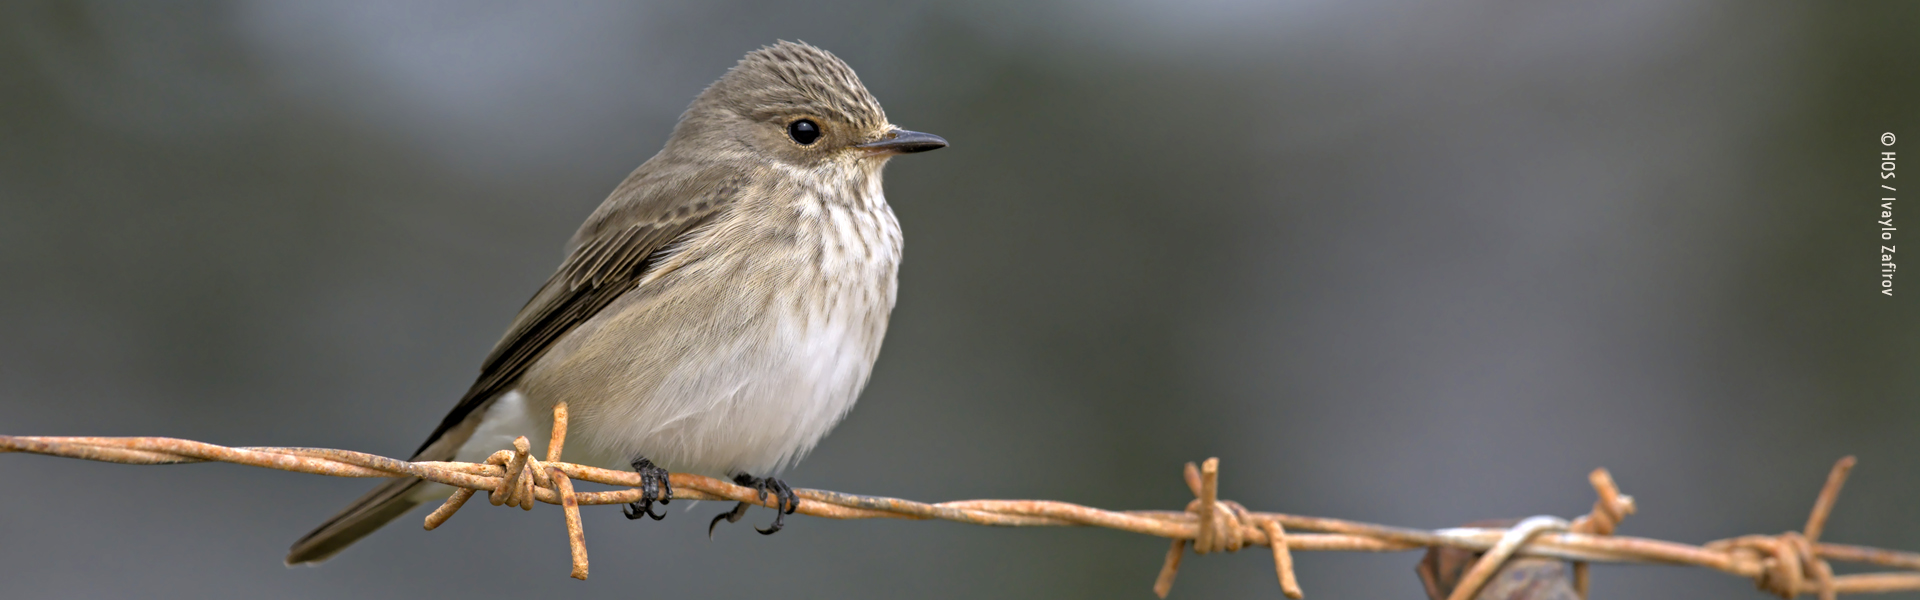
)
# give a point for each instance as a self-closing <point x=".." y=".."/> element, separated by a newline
<point x="576" y="534"/>
<point x="1829" y="494"/>
<point x="1788" y="564"/>
<point x="1609" y="510"/>
<point x="1226" y="526"/>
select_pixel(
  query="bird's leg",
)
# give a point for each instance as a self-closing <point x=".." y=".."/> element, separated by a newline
<point x="784" y="502"/>
<point x="654" y="486"/>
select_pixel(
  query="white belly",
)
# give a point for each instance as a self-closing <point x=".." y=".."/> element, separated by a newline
<point x="751" y="407"/>
<point x="718" y="380"/>
<point x="746" y="408"/>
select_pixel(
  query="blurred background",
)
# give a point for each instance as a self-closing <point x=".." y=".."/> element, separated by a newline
<point x="1416" y="263"/>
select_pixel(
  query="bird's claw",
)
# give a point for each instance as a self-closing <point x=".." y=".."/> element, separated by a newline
<point x="784" y="503"/>
<point x="654" y="487"/>
<point x="732" y="516"/>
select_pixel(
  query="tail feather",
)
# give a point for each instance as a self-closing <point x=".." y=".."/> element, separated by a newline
<point x="376" y="508"/>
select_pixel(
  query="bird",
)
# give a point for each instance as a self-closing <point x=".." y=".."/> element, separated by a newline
<point x="718" y="314"/>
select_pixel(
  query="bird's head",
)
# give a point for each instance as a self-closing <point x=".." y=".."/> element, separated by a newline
<point x="799" y="105"/>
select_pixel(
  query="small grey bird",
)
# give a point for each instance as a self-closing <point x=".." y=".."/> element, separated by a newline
<point x="719" y="312"/>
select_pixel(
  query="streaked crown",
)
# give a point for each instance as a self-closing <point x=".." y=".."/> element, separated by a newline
<point x="788" y="79"/>
<point x="795" y="104"/>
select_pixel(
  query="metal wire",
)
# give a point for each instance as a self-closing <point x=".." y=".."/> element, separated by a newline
<point x="1787" y="564"/>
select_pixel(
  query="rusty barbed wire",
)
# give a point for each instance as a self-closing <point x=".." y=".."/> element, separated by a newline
<point x="1788" y="564"/>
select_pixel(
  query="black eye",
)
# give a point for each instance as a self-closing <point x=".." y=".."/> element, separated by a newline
<point x="804" y="132"/>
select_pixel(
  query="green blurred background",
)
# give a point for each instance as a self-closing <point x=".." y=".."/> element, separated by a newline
<point x="1416" y="263"/>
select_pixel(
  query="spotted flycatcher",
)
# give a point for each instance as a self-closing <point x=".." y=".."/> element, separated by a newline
<point x="719" y="312"/>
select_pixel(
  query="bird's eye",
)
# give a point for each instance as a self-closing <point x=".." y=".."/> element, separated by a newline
<point x="804" y="132"/>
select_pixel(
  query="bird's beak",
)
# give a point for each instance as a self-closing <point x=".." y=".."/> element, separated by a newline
<point x="901" y="141"/>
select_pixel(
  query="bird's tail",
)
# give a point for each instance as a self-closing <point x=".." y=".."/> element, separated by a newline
<point x="384" y="503"/>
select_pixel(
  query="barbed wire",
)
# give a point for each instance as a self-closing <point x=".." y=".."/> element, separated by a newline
<point x="1788" y="564"/>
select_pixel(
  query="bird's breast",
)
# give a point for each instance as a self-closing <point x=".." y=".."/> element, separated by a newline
<point x="850" y="251"/>
<point x="749" y="351"/>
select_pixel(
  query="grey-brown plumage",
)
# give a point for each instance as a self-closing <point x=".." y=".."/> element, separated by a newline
<point x="718" y="313"/>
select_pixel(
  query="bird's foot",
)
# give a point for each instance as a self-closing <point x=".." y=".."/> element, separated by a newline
<point x="784" y="503"/>
<point x="654" y="487"/>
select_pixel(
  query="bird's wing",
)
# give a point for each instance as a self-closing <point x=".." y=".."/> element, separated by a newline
<point x="612" y="252"/>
